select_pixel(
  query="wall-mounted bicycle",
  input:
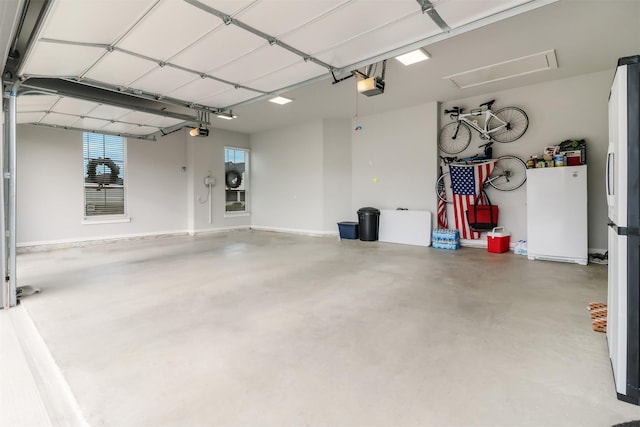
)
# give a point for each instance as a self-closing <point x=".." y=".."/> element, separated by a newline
<point x="505" y="125"/>
<point x="509" y="173"/>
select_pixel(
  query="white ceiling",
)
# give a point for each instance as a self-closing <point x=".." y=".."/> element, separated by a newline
<point x="182" y="51"/>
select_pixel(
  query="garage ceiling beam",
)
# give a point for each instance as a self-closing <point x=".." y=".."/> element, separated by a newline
<point x="110" y="96"/>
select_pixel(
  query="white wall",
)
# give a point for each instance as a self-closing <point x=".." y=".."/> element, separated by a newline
<point x="50" y="188"/>
<point x="287" y="178"/>
<point x="336" y="172"/>
<point x="574" y="108"/>
<point x="310" y="176"/>
<point x="395" y="160"/>
<point x="206" y="156"/>
<point x="163" y="181"/>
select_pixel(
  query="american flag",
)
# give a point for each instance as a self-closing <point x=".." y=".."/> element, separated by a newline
<point x="466" y="183"/>
<point x="442" y="209"/>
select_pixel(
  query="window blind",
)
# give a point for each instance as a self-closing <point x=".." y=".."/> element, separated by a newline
<point x="104" y="183"/>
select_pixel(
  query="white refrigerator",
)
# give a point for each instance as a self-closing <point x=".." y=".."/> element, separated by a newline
<point x="557" y="214"/>
<point x="623" y="199"/>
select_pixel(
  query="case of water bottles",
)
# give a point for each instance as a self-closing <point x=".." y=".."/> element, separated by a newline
<point x="520" y="248"/>
<point x="443" y="238"/>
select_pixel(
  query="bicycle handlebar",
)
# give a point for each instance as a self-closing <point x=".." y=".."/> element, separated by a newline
<point x="454" y="110"/>
<point x="488" y="104"/>
<point x="458" y="110"/>
<point x="448" y="160"/>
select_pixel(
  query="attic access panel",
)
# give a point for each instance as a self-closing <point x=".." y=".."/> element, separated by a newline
<point x="541" y="61"/>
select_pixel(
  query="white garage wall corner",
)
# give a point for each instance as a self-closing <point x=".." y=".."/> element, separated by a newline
<point x="287" y="179"/>
<point x="574" y="108"/>
<point x="50" y="198"/>
<point x="395" y="159"/>
<point x="336" y="173"/>
<point x="206" y="156"/>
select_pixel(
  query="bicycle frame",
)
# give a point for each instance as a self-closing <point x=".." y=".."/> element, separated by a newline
<point x="473" y="123"/>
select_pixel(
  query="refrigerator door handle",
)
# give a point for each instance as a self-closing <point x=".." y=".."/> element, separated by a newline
<point x="610" y="172"/>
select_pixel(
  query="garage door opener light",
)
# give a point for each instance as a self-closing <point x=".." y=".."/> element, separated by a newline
<point x="202" y="129"/>
<point x="370" y="85"/>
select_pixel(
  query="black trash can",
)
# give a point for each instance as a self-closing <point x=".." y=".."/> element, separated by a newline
<point x="368" y="220"/>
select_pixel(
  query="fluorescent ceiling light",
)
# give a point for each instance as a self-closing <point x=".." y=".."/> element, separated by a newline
<point x="280" y="100"/>
<point x="413" y="57"/>
<point x="226" y="116"/>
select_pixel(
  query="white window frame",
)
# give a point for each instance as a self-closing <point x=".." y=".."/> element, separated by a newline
<point x="109" y="218"/>
<point x="245" y="182"/>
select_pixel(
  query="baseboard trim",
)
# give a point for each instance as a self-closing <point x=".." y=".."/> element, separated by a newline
<point x="218" y="230"/>
<point x="313" y="233"/>
<point x="471" y="243"/>
<point x="46" y="245"/>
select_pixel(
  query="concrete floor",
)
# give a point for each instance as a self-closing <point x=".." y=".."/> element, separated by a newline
<point x="263" y="329"/>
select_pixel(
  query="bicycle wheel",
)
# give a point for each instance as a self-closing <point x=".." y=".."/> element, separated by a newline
<point x="510" y="173"/>
<point x="516" y="122"/>
<point x="441" y="188"/>
<point x="454" y="137"/>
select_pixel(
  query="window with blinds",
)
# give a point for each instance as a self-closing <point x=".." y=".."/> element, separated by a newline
<point x="104" y="188"/>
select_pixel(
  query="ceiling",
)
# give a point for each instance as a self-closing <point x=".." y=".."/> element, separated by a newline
<point x="143" y="68"/>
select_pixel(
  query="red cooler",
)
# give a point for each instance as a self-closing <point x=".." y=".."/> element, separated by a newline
<point x="498" y="240"/>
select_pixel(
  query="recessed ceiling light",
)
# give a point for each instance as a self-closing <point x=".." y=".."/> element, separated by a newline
<point x="413" y="57"/>
<point x="280" y="100"/>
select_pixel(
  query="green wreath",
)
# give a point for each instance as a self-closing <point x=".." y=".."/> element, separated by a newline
<point x="91" y="170"/>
